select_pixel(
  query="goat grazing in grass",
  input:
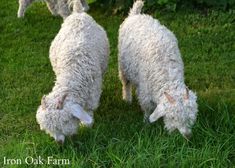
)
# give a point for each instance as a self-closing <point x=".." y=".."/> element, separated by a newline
<point x="79" y="57"/>
<point x="150" y="60"/>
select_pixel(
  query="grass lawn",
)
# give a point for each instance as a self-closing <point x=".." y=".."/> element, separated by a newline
<point x="119" y="138"/>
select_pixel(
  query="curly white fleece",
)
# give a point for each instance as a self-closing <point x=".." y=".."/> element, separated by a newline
<point x="56" y="7"/>
<point x="149" y="59"/>
<point x="79" y="57"/>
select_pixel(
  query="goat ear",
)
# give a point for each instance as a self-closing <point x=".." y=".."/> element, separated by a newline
<point x="186" y="96"/>
<point x="155" y="115"/>
<point x="80" y="114"/>
<point x="60" y="102"/>
<point x="169" y="98"/>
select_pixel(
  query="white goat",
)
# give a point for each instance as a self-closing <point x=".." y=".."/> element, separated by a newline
<point x="56" y="7"/>
<point x="149" y="59"/>
<point x="79" y="57"/>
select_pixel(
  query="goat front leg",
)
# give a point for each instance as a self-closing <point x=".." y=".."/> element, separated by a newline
<point x="85" y="5"/>
<point x="145" y="102"/>
<point x="51" y="5"/>
<point x="63" y="8"/>
<point x="23" y="4"/>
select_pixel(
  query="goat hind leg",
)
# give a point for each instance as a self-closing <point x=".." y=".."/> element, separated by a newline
<point x="126" y="87"/>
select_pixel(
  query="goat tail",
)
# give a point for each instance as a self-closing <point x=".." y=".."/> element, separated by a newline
<point x="137" y="7"/>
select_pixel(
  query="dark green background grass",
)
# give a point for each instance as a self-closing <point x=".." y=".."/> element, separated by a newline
<point x="119" y="137"/>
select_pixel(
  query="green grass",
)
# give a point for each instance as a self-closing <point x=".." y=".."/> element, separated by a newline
<point x="119" y="138"/>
